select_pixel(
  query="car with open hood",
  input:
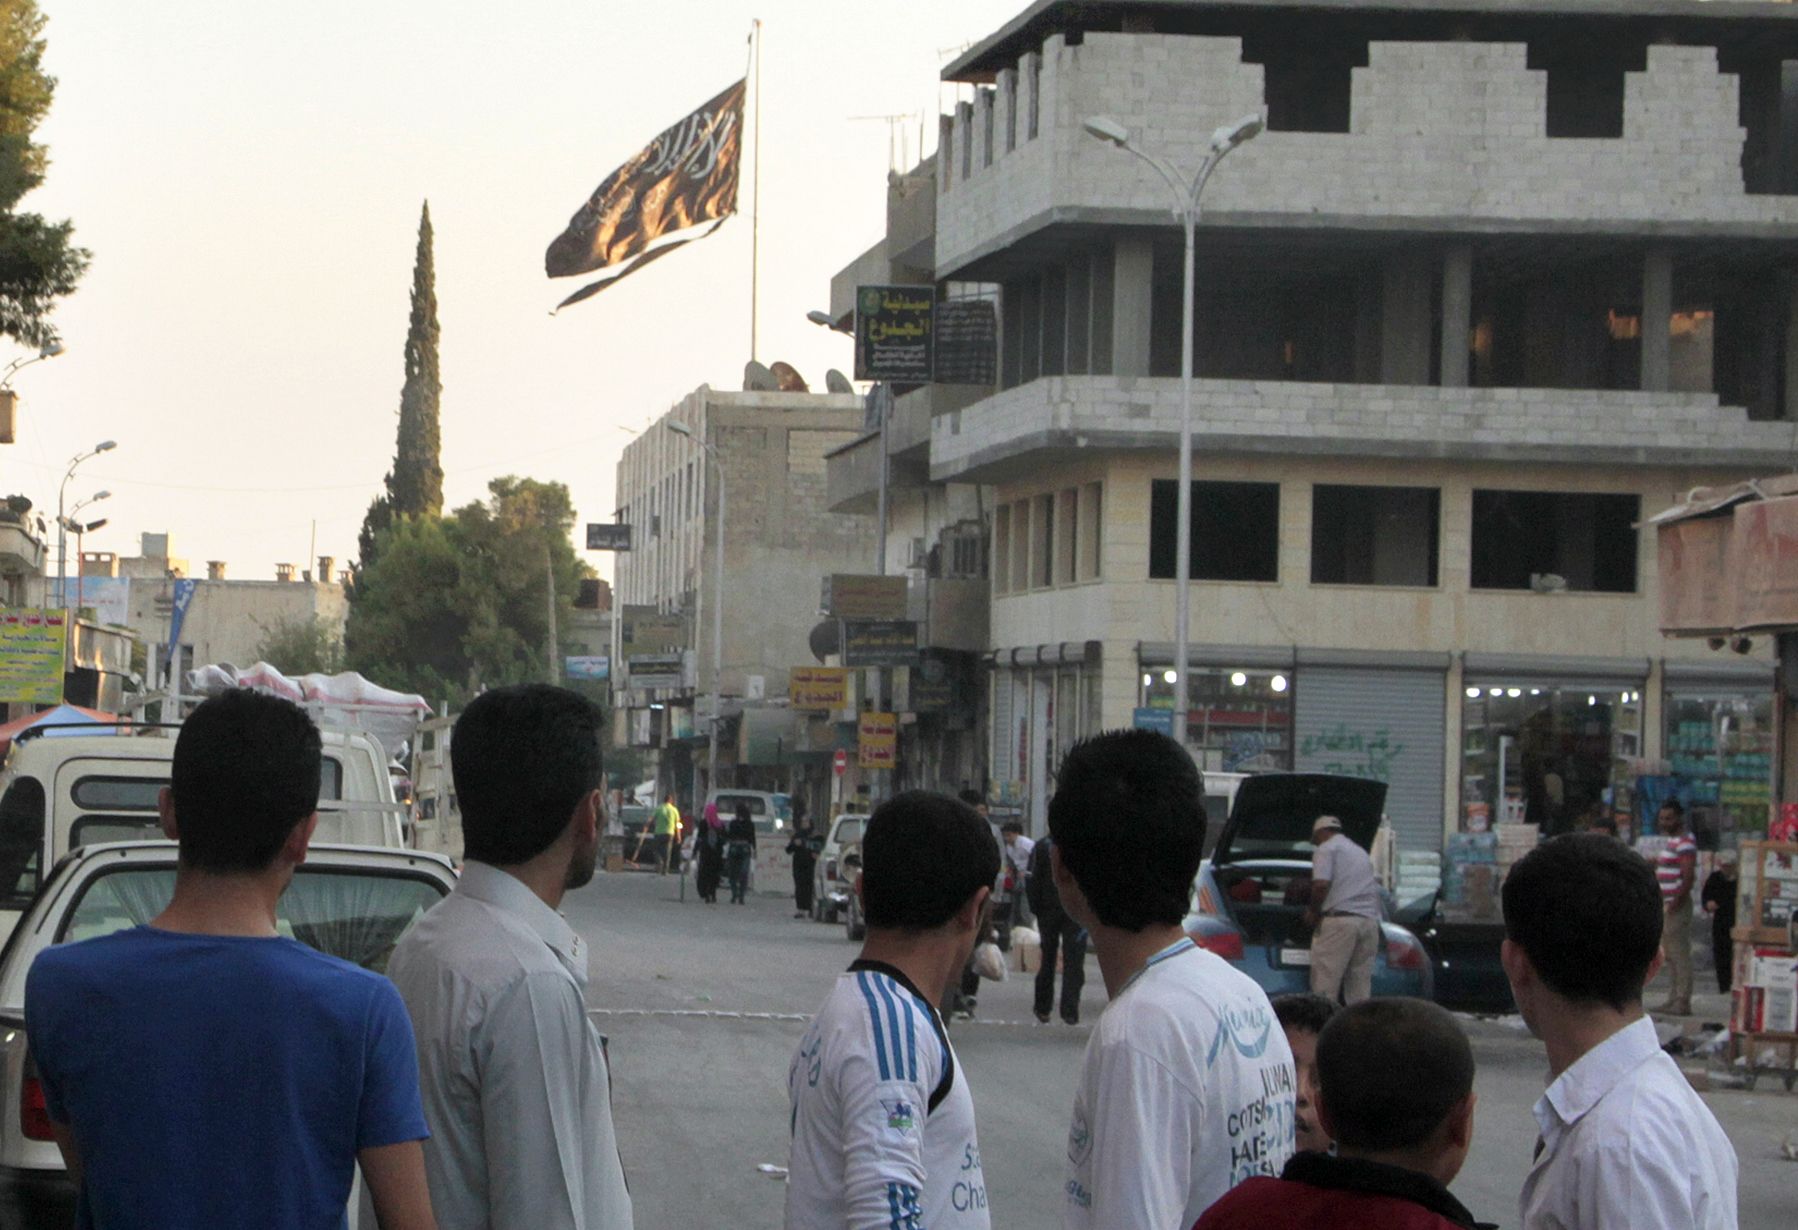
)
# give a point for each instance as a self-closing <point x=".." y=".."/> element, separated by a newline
<point x="1248" y="900"/>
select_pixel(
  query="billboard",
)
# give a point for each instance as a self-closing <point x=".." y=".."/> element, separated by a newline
<point x="895" y="333"/>
<point x="882" y="642"/>
<point x="587" y="666"/>
<point x="33" y="652"/>
<point x="854" y="596"/>
<point x="608" y="536"/>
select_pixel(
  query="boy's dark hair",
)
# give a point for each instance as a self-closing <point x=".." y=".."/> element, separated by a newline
<point x="1129" y="819"/>
<point x="246" y="771"/>
<point x="1586" y="910"/>
<point x="1360" y="1056"/>
<point x="923" y="856"/>
<point x="973" y="798"/>
<point x="1303" y="1011"/>
<point x="1672" y="805"/>
<point x="1012" y="826"/>
<point x="523" y="757"/>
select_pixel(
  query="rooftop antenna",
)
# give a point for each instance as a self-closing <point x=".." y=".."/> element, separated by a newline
<point x="899" y="157"/>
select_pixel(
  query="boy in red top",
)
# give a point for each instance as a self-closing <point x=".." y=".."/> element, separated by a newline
<point x="1399" y="1143"/>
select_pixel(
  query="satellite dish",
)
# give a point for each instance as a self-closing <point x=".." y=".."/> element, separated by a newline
<point x="836" y="382"/>
<point x="758" y="379"/>
<point x="790" y="379"/>
<point x="825" y="639"/>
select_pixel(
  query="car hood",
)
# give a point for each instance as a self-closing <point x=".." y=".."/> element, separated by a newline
<point x="1273" y="814"/>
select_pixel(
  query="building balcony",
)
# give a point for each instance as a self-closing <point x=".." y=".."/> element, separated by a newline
<point x="21" y="551"/>
<point x="1440" y="137"/>
<point x="852" y="473"/>
<point x="1006" y="435"/>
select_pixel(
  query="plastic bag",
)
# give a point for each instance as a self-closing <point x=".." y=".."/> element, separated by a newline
<point x="989" y="962"/>
<point x="1025" y="937"/>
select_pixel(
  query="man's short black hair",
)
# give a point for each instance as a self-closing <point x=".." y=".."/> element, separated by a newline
<point x="1012" y="826"/>
<point x="1586" y="910"/>
<point x="972" y="797"/>
<point x="1303" y="1011"/>
<point x="1672" y="805"/>
<point x="523" y="758"/>
<point x="1129" y="819"/>
<point x="246" y="771"/>
<point x="923" y="856"/>
<point x="1390" y="1070"/>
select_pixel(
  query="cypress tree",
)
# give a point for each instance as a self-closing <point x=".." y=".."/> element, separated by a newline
<point x="415" y="484"/>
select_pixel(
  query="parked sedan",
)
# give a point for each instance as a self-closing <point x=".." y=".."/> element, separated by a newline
<point x="1248" y="900"/>
<point x="349" y="901"/>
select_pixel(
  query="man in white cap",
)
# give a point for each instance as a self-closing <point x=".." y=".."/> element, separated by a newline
<point x="1344" y="915"/>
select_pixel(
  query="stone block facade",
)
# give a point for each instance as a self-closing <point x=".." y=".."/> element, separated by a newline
<point x="1441" y="134"/>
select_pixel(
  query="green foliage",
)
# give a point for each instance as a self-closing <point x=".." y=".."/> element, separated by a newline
<point x="38" y="262"/>
<point x="415" y="483"/>
<point x="450" y="604"/>
<point x="302" y="647"/>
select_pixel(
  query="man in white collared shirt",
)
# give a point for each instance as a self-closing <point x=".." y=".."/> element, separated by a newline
<point x="1625" y="1141"/>
<point x="515" y="1085"/>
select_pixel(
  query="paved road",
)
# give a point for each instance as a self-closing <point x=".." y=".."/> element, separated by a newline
<point x="703" y="1006"/>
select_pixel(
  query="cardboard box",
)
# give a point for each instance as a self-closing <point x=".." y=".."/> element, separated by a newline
<point x="1775" y="975"/>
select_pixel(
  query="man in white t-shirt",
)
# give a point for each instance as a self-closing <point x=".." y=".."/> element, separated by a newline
<point x="882" y="1117"/>
<point x="1187" y="1087"/>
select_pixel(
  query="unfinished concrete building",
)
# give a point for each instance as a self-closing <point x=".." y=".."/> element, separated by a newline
<point x="1497" y="282"/>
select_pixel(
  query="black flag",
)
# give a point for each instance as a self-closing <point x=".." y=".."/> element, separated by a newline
<point x="685" y="178"/>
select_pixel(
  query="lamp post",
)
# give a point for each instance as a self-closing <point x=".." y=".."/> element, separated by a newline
<point x="81" y="530"/>
<point x="49" y="350"/>
<point x="62" y="539"/>
<point x="1186" y="209"/>
<point x="681" y="429"/>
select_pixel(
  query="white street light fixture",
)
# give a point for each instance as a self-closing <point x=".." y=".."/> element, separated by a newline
<point x="62" y="538"/>
<point x="49" y="350"/>
<point x="1186" y="209"/>
<point x="685" y="431"/>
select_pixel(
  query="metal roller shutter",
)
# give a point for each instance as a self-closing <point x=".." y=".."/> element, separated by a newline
<point x="1004" y="735"/>
<point x="1382" y="723"/>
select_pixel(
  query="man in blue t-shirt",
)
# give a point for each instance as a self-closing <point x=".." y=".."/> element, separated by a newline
<point x="203" y="1071"/>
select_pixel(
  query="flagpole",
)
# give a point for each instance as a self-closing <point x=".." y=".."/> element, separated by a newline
<point x="755" y="193"/>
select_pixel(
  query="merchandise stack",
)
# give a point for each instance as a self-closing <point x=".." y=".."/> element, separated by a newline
<point x="1764" y="1012"/>
<point x="1470" y="878"/>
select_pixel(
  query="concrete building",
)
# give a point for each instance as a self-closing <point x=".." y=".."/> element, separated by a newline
<point x="229" y="618"/>
<point x="1496" y="284"/>
<point x="779" y="541"/>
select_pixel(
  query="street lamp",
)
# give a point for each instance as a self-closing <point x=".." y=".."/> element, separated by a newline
<point x="49" y="350"/>
<point x="62" y="541"/>
<point x="681" y="429"/>
<point x="1186" y="209"/>
<point x="81" y="530"/>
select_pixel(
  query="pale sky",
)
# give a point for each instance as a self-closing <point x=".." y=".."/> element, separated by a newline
<point x="248" y="176"/>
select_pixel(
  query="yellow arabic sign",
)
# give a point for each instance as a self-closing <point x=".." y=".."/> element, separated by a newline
<point x="818" y="687"/>
<point x="33" y="652"/>
<point x="877" y="741"/>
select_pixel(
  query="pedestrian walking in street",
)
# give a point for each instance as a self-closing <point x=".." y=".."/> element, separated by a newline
<point x="204" y="1070"/>
<point x="1624" y="1139"/>
<point x="1720" y="903"/>
<point x="803" y="846"/>
<point x="1303" y="1017"/>
<point x="882" y="1115"/>
<point x="1344" y="915"/>
<point x="1061" y="935"/>
<point x="1010" y="908"/>
<point x="1675" y="870"/>
<point x="515" y="1082"/>
<point x="1399" y="1142"/>
<point x="708" y="855"/>
<point x="1187" y="1085"/>
<point x="739" y="853"/>
<point x="667" y="822"/>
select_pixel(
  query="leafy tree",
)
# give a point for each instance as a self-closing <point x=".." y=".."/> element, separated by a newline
<point x="415" y="483"/>
<point x="451" y="604"/>
<point x="38" y="262"/>
<point x="302" y="646"/>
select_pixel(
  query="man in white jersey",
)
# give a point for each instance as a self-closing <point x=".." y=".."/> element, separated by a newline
<point x="882" y="1117"/>
<point x="1187" y="1087"/>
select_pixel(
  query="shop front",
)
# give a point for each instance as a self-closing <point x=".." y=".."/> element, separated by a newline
<point x="1240" y="703"/>
<point x="1549" y="741"/>
<point x="1718" y="743"/>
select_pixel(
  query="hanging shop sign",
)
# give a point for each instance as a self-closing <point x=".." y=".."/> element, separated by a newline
<point x="33" y="653"/>
<point x="877" y="741"/>
<point x="855" y="596"/>
<point x="895" y="330"/>
<point x="818" y="687"/>
<point x="880" y="642"/>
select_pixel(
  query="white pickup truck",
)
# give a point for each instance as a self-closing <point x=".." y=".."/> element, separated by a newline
<point x="66" y="787"/>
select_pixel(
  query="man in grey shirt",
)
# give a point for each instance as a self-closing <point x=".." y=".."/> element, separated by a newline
<point x="515" y="1085"/>
<point x="1344" y="915"/>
